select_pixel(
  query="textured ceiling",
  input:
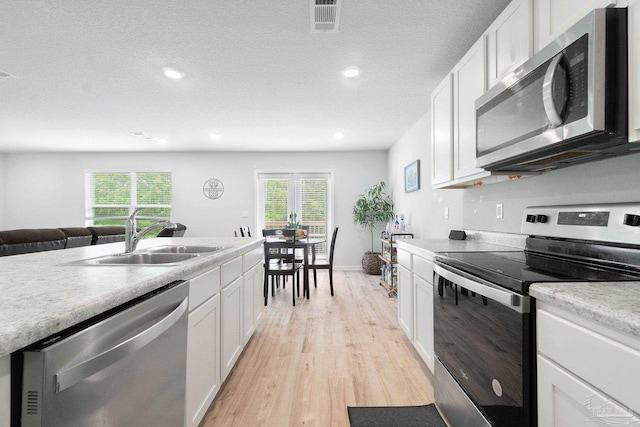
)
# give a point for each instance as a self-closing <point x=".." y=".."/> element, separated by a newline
<point x="86" y="75"/>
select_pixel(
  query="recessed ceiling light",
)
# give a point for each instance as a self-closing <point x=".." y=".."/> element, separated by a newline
<point x="338" y="135"/>
<point x="215" y="136"/>
<point x="162" y="141"/>
<point x="173" y="73"/>
<point x="351" y="72"/>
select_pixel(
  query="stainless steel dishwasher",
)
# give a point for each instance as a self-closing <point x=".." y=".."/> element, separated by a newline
<point x="124" y="368"/>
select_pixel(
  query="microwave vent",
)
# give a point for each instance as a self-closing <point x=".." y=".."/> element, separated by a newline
<point x="325" y="15"/>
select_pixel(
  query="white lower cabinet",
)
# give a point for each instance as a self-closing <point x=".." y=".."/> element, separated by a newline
<point x="587" y="374"/>
<point x="203" y="359"/>
<point x="251" y="301"/>
<point x="5" y="390"/>
<point x="405" y="301"/>
<point x="232" y="331"/>
<point x="415" y="302"/>
<point x="423" y="326"/>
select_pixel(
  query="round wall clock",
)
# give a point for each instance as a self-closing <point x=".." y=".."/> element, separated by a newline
<point x="213" y="188"/>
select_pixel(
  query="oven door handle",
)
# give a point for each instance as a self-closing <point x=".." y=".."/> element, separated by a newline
<point x="500" y="295"/>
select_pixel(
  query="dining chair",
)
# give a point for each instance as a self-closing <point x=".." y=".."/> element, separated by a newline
<point x="279" y="260"/>
<point x="315" y="266"/>
<point x="244" y="231"/>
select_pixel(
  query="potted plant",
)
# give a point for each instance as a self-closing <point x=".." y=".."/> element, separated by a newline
<point x="372" y="208"/>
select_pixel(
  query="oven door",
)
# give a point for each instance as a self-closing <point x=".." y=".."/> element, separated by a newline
<point x="484" y="341"/>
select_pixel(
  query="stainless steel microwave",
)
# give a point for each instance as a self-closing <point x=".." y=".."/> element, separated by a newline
<point x="565" y="105"/>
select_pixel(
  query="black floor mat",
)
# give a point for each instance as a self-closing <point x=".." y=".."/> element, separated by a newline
<point x="395" y="416"/>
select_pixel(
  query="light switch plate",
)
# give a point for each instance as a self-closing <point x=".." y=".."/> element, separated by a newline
<point x="499" y="211"/>
<point x="446" y="213"/>
<point x="245" y="214"/>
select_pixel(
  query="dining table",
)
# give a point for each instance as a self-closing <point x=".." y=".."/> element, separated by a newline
<point x="306" y="243"/>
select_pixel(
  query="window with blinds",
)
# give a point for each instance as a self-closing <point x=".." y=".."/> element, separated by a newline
<point x="112" y="196"/>
<point x="306" y="194"/>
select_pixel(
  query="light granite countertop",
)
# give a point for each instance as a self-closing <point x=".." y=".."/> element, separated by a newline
<point x="41" y="294"/>
<point x="613" y="304"/>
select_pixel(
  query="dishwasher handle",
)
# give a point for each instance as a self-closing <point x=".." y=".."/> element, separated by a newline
<point x="67" y="377"/>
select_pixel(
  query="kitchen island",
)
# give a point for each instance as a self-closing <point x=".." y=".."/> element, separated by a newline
<point x="45" y="293"/>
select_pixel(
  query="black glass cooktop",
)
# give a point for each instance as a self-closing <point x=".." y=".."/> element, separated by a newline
<point x="518" y="270"/>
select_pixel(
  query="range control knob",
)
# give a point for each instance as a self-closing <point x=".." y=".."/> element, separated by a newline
<point x="542" y="218"/>
<point x="632" y="220"/>
<point x="530" y="218"/>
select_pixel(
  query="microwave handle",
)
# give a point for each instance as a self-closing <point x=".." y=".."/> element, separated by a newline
<point x="548" y="84"/>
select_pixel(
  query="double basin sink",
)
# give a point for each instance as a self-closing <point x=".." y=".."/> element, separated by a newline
<point x="161" y="255"/>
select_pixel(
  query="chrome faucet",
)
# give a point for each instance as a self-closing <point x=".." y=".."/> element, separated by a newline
<point x="132" y="237"/>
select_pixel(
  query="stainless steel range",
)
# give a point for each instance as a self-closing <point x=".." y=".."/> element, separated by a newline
<point x="485" y="372"/>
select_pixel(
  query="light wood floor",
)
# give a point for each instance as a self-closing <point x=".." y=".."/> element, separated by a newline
<point x="306" y="364"/>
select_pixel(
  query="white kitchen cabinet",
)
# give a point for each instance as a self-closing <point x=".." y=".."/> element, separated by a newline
<point x="566" y="400"/>
<point x="5" y="391"/>
<point x="423" y="325"/>
<point x="405" y="300"/>
<point x="442" y="132"/>
<point x="554" y="17"/>
<point x="203" y="345"/>
<point x="415" y="302"/>
<point x="510" y="40"/>
<point x="423" y="308"/>
<point x="634" y="69"/>
<point x="469" y="82"/>
<point x="203" y="359"/>
<point x="586" y="371"/>
<point x="258" y="295"/>
<point x="251" y="280"/>
<point x="232" y="332"/>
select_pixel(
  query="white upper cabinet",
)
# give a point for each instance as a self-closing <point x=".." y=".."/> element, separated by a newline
<point x="510" y="39"/>
<point x="441" y="132"/>
<point x="634" y="70"/>
<point x="554" y="17"/>
<point x="469" y="82"/>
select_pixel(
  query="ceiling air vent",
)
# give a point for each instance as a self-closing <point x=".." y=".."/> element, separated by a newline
<point x="325" y="15"/>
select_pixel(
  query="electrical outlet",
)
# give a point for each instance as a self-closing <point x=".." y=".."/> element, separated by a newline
<point x="245" y="214"/>
<point x="499" y="211"/>
<point x="446" y="213"/>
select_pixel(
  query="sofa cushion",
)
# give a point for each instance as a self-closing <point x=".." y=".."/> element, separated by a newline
<point x="24" y="241"/>
<point x="77" y="236"/>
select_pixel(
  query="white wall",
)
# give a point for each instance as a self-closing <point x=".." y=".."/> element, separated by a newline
<point x="611" y="180"/>
<point x="423" y="209"/>
<point x="47" y="190"/>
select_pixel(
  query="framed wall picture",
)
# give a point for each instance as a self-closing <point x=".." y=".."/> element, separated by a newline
<point x="412" y="177"/>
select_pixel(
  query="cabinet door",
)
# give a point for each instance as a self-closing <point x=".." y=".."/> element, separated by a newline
<point x="634" y="69"/>
<point x="566" y="400"/>
<point x="405" y="301"/>
<point x="441" y="132"/>
<point x="252" y="301"/>
<point x="5" y="390"/>
<point x="554" y="17"/>
<point x="423" y="325"/>
<point x="469" y="82"/>
<point x="258" y="296"/>
<point x="232" y="334"/>
<point x="203" y="359"/>
<point x="510" y="39"/>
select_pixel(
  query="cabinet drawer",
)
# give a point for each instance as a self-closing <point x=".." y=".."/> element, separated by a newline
<point x="423" y="268"/>
<point x="252" y="258"/>
<point x="404" y="259"/>
<point x="605" y="363"/>
<point x="231" y="270"/>
<point x="203" y="287"/>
